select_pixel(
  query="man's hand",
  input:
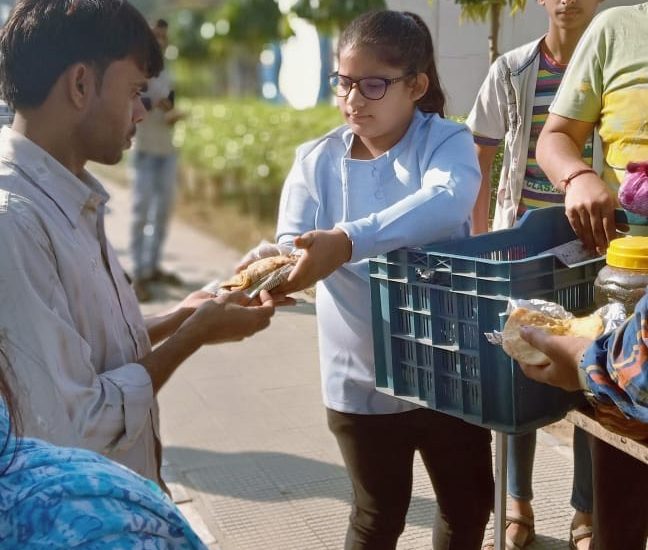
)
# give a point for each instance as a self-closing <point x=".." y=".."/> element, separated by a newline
<point x="225" y="319"/>
<point x="589" y="207"/>
<point x="565" y="354"/>
<point x="324" y="252"/>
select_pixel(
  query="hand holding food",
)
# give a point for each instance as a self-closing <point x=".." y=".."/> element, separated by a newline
<point x="256" y="271"/>
<point x="519" y="349"/>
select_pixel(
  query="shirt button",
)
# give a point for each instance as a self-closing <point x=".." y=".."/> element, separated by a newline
<point x="379" y="195"/>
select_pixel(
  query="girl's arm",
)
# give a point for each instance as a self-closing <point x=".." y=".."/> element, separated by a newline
<point x="435" y="212"/>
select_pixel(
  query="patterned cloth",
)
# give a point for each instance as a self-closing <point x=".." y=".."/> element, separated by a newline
<point x="616" y="366"/>
<point x="538" y="191"/>
<point x="56" y="497"/>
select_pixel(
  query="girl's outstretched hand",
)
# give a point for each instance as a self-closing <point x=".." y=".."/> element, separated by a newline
<point x="323" y="253"/>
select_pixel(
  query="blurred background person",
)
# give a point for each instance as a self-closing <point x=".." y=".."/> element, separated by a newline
<point x="154" y="163"/>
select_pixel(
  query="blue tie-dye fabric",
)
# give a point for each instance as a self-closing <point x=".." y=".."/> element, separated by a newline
<point x="54" y="497"/>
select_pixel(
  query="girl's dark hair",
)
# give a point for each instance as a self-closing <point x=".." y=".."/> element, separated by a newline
<point x="42" y="38"/>
<point x="399" y="39"/>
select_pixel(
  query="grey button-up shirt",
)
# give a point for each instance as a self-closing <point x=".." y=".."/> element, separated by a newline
<point x="69" y="321"/>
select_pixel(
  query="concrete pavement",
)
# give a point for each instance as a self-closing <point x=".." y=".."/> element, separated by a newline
<point x="244" y="430"/>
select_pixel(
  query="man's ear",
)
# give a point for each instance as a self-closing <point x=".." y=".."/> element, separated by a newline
<point x="80" y="84"/>
<point x="420" y="86"/>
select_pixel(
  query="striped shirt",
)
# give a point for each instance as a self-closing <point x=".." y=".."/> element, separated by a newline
<point x="538" y="191"/>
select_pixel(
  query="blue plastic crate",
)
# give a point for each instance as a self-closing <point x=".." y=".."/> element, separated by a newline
<point x="432" y="305"/>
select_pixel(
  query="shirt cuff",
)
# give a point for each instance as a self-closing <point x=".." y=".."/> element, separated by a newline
<point x="362" y="237"/>
<point x="134" y="382"/>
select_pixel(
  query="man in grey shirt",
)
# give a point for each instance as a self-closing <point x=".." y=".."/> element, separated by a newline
<point x="83" y="367"/>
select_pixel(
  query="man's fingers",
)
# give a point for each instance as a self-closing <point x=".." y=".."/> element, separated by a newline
<point x="577" y="226"/>
<point x="609" y="226"/>
<point x="587" y="232"/>
<point x="598" y="230"/>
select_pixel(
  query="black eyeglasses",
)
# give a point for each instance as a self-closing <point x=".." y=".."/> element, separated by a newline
<point x="371" y="87"/>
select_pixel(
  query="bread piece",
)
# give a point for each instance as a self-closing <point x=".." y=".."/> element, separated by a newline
<point x="523" y="352"/>
<point x="255" y="271"/>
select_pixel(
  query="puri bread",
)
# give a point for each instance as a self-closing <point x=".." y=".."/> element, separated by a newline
<point x="255" y="271"/>
<point x="523" y="352"/>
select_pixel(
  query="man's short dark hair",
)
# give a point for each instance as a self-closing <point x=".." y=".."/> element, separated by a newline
<point x="42" y="38"/>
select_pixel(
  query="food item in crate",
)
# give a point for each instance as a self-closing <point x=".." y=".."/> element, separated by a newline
<point x="523" y="352"/>
<point x="257" y="271"/>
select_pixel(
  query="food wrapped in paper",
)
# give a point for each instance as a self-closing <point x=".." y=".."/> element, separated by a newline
<point x="553" y="319"/>
<point x="258" y="271"/>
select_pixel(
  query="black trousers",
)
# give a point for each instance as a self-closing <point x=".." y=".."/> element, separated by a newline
<point x="378" y="451"/>
<point x="620" y="499"/>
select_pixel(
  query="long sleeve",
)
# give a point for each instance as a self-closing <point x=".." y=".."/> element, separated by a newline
<point x="616" y="366"/>
<point x="449" y="186"/>
<point x="488" y="118"/>
<point x="71" y="392"/>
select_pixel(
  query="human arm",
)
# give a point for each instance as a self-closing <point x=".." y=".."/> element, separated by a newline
<point x="574" y="114"/>
<point x="449" y="181"/>
<point x="589" y="204"/>
<point x="480" y="214"/>
<point x="162" y="325"/>
<point x="488" y="121"/>
<point x="224" y="318"/>
<point x="77" y="360"/>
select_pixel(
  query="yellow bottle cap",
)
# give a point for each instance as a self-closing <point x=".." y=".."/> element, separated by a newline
<point x="628" y="253"/>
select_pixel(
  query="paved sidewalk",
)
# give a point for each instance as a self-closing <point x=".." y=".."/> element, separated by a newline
<point x="245" y="435"/>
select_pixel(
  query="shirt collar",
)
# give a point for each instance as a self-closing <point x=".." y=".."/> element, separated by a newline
<point x="71" y="194"/>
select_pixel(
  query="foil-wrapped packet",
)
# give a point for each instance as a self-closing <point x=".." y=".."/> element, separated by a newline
<point x="613" y="315"/>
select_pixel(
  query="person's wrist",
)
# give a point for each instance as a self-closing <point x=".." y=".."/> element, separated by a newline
<point x="564" y="183"/>
<point x="346" y="243"/>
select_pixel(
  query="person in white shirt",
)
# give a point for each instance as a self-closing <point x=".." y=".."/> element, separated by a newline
<point x="154" y="183"/>
<point x="86" y="375"/>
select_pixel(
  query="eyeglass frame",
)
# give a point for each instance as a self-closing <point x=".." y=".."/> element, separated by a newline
<point x="356" y="83"/>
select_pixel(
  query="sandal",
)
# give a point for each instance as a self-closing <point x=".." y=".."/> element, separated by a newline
<point x="524" y="521"/>
<point x="576" y="534"/>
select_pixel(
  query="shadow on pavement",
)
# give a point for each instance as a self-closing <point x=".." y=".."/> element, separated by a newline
<point x="264" y="476"/>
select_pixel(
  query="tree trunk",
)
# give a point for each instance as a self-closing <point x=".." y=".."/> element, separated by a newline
<point x="493" y="48"/>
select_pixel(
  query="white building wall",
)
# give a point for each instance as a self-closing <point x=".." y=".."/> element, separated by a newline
<point x="462" y="48"/>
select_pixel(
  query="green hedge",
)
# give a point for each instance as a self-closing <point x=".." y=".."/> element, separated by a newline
<point x="241" y="151"/>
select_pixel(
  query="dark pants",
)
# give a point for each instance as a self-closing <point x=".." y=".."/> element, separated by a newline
<point x="378" y="451"/>
<point x="620" y="499"/>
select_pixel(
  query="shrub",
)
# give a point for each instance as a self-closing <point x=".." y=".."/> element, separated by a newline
<point x="242" y="150"/>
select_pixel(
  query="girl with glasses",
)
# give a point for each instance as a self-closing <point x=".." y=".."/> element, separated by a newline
<point x="396" y="174"/>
